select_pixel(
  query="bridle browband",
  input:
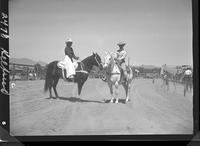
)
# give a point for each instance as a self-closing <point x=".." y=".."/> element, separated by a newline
<point x="99" y="64"/>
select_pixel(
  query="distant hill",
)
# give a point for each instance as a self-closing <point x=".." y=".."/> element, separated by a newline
<point x="170" y="68"/>
<point x="149" y="66"/>
<point x="26" y="61"/>
<point x="42" y="63"/>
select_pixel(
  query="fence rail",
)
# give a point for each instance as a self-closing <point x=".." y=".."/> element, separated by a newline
<point x="26" y="71"/>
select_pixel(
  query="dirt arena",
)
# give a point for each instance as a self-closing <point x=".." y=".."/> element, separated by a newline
<point x="152" y="109"/>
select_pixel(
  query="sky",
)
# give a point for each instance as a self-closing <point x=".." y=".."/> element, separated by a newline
<point x="156" y="32"/>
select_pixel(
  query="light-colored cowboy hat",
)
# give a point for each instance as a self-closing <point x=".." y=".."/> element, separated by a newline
<point x="121" y="44"/>
<point x="69" y="41"/>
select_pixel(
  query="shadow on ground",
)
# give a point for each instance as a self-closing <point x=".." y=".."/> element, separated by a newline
<point x="75" y="99"/>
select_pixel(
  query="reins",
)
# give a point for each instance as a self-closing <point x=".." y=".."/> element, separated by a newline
<point x="82" y="66"/>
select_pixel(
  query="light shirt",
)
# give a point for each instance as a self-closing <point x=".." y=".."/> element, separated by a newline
<point x="121" y="55"/>
<point x="188" y="72"/>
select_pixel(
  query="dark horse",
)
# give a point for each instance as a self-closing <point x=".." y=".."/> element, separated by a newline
<point x="54" y="73"/>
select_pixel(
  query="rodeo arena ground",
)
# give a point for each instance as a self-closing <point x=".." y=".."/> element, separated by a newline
<point x="153" y="106"/>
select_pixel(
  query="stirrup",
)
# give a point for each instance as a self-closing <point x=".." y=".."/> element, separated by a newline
<point x="70" y="79"/>
<point x="64" y="73"/>
<point x="66" y="80"/>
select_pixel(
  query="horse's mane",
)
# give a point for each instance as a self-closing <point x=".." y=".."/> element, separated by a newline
<point x="87" y="58"/>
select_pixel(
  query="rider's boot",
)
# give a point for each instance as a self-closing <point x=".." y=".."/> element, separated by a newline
<point x="64" y="72"/>
<point x="124" y="76"/>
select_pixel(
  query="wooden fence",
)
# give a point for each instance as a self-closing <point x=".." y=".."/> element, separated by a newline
<point x="26" y="72"/>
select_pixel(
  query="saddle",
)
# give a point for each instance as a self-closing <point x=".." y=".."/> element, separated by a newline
<point x="61" y="65"/>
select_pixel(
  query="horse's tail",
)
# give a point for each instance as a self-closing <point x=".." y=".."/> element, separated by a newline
<point x="48" y="78"/>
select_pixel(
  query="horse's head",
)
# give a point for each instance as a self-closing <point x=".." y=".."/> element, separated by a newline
<point x="97" y="60"/>
<point x="108" y="59"/>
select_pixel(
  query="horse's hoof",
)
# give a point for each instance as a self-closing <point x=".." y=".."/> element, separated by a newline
<point x="127" y="100"/>
<point x="116" y="101"/>
<point x="111" y="101"/>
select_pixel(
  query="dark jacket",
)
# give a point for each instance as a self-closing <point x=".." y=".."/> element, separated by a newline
<point x="69" y="51"/>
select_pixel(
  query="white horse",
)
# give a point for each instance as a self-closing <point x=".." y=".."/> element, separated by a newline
<point x="115" y="77"/>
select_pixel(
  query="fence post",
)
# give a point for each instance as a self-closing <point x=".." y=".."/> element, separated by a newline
<point x="27" y="73"/>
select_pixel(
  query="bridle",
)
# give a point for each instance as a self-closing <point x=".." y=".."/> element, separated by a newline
<point x="107" y="61"/>
<point x="99" y="64"/>
<point x="110" y="73"/>
<point x="82" y="66"/>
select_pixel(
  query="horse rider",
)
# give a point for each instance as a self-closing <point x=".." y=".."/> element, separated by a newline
<point x="188" y="71"/>
<point x="68" y="60"/>
<point x="120" y="57"/>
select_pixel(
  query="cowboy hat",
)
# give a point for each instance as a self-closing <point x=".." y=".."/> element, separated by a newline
<point x="69" y="41"/>
<point x="121" y="44"/>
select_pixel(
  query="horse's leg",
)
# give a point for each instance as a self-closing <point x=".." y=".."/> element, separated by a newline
<point x="111" y="92"/>
<point x="125" y="88"/>
<point x="50" y="86"/>
<point x="163" y="83"/>
<point x="167" y="85"/>
<point x="125" y="85"/>
<point x="54" y="86"/>
<point x="80" y="85"/>
<point x="174" y="82"/>
<point x="116" y="92"/>
<point x="190" y="87"/>
<point x="187" y="86"/>
<point x="184" y="89"/>
<point x="128" y="86"/>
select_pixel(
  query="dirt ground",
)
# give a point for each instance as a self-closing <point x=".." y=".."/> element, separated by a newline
<point x="152" y="110"/>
